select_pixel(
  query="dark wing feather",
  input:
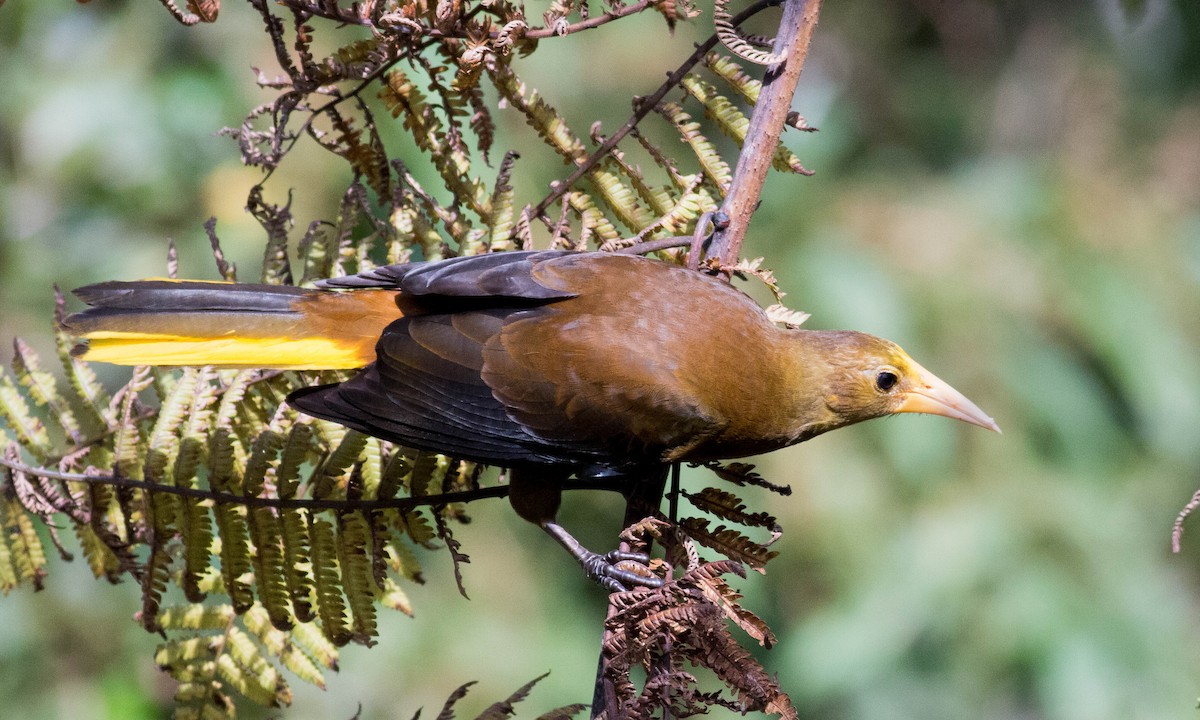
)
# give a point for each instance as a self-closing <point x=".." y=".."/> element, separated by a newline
<point x="425" y="391"/>
<point x="495" y="277"/>
<point x="193" y="295"/>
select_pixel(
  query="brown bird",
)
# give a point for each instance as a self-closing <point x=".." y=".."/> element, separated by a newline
<point x="551" y="364"/>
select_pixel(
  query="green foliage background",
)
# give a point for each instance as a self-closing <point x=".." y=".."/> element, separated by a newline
<point x="1009" y="190"/>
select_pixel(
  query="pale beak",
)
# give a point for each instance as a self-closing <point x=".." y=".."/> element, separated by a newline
<point x="934" y="396"/>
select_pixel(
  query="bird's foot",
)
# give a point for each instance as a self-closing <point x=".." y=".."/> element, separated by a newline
<point x="617" y="571"/>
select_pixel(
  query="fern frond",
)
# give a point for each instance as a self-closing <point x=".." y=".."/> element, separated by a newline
<point x="501" y="225"/>
<point x="88" y="394"/>
<point x="196" y="617"/>
<point x="243" y="666"/>
<point x="315" y="253"/>
<point x="8" y="571"/>
<point x="358" y="582"/>
<point x="332" y="474"/>
<point x="636" y="179"/>
<point x="235" y="553"/>
<point x="43" y="389"/>
<point x="276" y="221"/>
<point x="711" y="162"/>
<point x="328" y="583"/>
<point x="728" y="506"/>
<point x="728" y="542"/>
<point x="507" y="708"/>
<point x="19" y="417"/>
<point x="270" y="574"/>
<point x="297" y="562"/>
<point x="744" y="46"/>
<point x="99" y="556"/>
<point x="279" y="644"/>
<point x="26" y="557"/>
<point x="392" y="596"/>
<point x="734" y="123"/>
<point x="314" y="643"/>
<point x="594" y="221"/>
<point x="728" y="70"/>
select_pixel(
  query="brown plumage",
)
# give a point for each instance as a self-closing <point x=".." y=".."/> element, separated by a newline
<point x="560" y="363"/>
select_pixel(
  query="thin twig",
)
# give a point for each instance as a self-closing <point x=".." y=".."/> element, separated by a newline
<point x="254" y="501"/>
<point x="350" y="18"/>
<point x="644" y="107"/>
<point x="655" y="245"/>
<point x="216" y="496"/>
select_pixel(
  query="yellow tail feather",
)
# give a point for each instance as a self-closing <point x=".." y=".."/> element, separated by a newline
<point x="190" y="323"/>
<point x="278" y="353"/>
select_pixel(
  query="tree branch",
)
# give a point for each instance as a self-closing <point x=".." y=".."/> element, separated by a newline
<point x="766" y="125"/>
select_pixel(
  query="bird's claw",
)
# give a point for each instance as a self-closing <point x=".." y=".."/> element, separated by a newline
<point x="617" y="570"/>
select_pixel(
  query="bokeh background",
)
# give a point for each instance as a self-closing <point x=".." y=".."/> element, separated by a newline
<point x="1011" y="190"/>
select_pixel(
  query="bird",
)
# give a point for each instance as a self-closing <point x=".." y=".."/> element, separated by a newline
<point x="551" y="364"/>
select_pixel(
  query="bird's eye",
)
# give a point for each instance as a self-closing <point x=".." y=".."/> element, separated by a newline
<point x="886" y="380"/>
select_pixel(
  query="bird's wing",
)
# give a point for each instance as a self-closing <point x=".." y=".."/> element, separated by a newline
<point x="544" y="358"/>
<point x="425" y="388"/>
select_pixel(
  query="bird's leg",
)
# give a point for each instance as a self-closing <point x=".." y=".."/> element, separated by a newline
<point x="536" y="498"/>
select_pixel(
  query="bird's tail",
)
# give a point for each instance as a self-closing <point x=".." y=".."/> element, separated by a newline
<point x="172" y="322"/>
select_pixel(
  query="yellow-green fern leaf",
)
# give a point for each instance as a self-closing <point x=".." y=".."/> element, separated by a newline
<point x="402" y="559"/>
<point x="100" y="558"/>
<point x="419" y="528"/>
<point x="8" y="571"/>
<point x="503" y="213"/>
<point x="267" y="689"/>
<point x="711" y="162"/>
<point x="44" y="390"/>
<point x="269" y="574"/>
<point x="155" y="575"/>
<point x="297" y="562"/>
<point x="316" y="255"/>
<point x="235" y="554"/>
<point x="90" y="396"/>
<point x="309" y="638"/>
<point x="371" y="469"/>
<point x="183" y="652"/>
<point x="592" y="218"/>
<point x="295" y="452"/>
<point x="332" y="474"/>
<point x="26" y="554"/>
<point x="734" y="123"/>
<point x="194" y="616"/>
<point x="280" y="645"/>
<point x="19" y="418"/>
<point x="354" y="553"/>
<point x="731" y="72"/>
<point x="331" y="607"/>
<point x="391" y="595"/>
<point x="397" y="469"/>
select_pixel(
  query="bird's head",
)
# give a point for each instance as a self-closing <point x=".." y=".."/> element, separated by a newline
<point x="871" y="377"/>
